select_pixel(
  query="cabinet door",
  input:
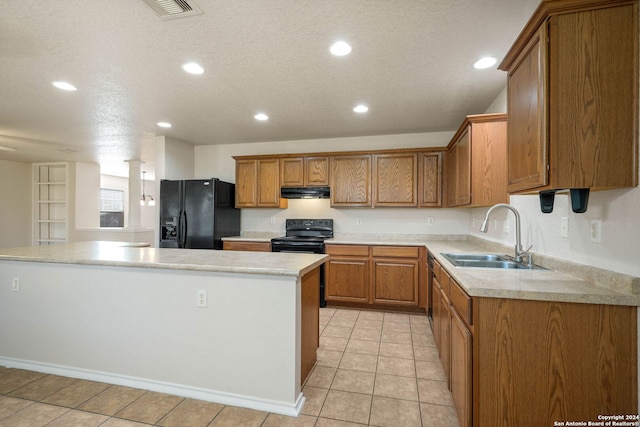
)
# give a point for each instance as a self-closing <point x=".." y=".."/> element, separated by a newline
<point x="292" y="172"/>
<point x="430" y="180"/>
<point x="347" y="279"/>
<point x="268" y="183"/>
<point x="593" y="98"/>
<point x="461" y="365"/>
<point x="246" y="179"/>
<point x="436" y="313"/>
<point x="351" y="180"/>
<point x="395" y="179"/>
<point x="316" y="171"/>
<point x="452" y="177"/>
<point x="445" y="337"/>
<point x="526" y="136"/>
<point x="463" y="169"/>
<point x="489" y="163"/>
<point x="395" y="281"/>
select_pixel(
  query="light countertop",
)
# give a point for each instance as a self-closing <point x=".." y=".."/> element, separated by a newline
<point x="123" y="254"/>
<point x="563" y="280"/>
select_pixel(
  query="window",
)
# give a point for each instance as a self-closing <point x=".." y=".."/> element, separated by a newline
<point x="111" y="208"/>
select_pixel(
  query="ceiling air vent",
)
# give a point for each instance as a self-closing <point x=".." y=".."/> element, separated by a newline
<point x="171" y="9"/>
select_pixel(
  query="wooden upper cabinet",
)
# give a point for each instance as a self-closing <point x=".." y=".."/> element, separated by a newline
<point x="527" y="146"/>
<point x="304" y="171"/>
<point x="395" y="179"/>
<point x="351" y="180"/>
<point x="258" y="183"/>
<point x="246" y="188"/>
<point x="572" y="98"/>
<point x="430" y="179"/>
<point x="269" y="183"/>
<point x="476" y="166"/>
<point x="292" y="172"/>
<point x="316" y="171"/>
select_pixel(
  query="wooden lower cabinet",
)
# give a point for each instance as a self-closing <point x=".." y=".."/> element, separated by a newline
<point x="246" y="246"/>
<point x="461" y="365"/>
<point x="374" y="275"/>
<point x="538" y="362"/>
<point x="395" y="281"/>
<point x="512" y="362"/>
<point x="347" y="279"/>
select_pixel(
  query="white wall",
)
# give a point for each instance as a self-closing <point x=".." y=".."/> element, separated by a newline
<point x="15" y="204"/>
<point x="174" y="159"/>
<point x="87" y="195"/>
<point x="216" y="161"/>
<point x="617" y="209"/>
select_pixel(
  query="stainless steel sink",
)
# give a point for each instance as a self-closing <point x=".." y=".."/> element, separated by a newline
<point x="475" y="257"/>
<point x="488" y="261"/>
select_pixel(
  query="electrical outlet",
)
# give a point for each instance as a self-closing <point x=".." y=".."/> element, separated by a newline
<point x="429" y="220"/>
<point x="202" y="299"/>
<point x="473" y="223"/>
<point x="15" y="284"/>
<point x="596" y="231"/>
<point x="564" y="226"/>
<point x="505" y="226"/>
<point x="272" y="220"/>
<point x="359" y="220"/>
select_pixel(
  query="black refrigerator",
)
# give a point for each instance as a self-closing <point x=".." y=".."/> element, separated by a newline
<point x="197" y="213"/>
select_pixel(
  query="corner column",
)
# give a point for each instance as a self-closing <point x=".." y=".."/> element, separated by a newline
<point x="134" y="193"/>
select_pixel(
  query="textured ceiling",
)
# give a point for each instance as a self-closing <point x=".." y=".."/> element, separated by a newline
<point x="411" y="63"/>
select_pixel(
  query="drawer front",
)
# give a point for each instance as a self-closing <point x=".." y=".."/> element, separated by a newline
<point x="437" y="270"/>
<point x="247" y="246"/>
<point x="396" y="251"/>
<point x="347" y="250"/>
<point x="444" y="281"/>
<point x="460" y="301"/>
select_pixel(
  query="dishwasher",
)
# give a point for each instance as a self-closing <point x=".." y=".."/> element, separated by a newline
<point x="430" y="260"/>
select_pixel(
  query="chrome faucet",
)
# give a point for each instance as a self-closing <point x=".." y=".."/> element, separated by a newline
<point x="519" y="252"/>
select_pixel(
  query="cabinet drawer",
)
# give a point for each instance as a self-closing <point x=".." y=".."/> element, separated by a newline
<point x="395" y="251"/>
<point x="247" y="246"/>
<point x="437" y="270"/>
<point x="460" y="301"/>
<point x="348" y="250"/>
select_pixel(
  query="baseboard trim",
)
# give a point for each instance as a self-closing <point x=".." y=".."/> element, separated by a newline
<point x="224" y="398"/>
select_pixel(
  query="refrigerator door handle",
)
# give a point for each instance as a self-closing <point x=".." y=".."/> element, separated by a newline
<point x="182" y="229"/>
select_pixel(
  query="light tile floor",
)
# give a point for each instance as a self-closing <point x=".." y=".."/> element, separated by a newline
<point x="374" y="368"/>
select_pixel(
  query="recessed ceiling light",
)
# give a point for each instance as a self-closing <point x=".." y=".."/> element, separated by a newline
<point x="164" y="124"/>
<point x="193" y="68"/>
<point x="65" y="86"/>
<point x="340" y="48"/>
<point x="261" y="116"/>
<point x="361" y="108"/>
<point x="485" y="62"/>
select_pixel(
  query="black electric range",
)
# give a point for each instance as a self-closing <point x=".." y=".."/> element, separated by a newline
<point x="306" y="236"/>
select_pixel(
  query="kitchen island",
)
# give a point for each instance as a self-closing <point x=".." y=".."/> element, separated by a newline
<point x="231" y="327"/>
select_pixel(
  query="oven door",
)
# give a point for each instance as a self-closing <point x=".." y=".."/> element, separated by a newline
<point x="278" y="246"/>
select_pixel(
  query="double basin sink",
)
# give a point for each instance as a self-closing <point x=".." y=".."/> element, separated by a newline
<point x="488" y="261"/>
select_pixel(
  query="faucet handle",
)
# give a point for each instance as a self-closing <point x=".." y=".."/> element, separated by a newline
<point x="527" y="254"/>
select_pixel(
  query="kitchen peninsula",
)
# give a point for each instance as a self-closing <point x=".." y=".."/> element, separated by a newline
<point x="231" y="327"/>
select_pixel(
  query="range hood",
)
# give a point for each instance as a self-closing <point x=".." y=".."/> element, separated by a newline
<point x="305" y="192"/>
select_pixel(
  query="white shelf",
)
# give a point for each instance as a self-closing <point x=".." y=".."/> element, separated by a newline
<point x="50" y="203"/>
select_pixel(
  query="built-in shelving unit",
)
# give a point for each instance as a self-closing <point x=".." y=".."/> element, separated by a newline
<point x="50" y="203"/>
